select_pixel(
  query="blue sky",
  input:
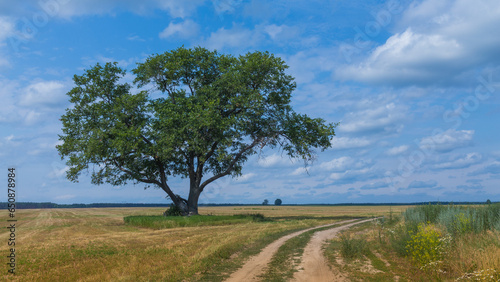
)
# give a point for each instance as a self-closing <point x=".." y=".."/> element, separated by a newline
<point x="414" y="84"/>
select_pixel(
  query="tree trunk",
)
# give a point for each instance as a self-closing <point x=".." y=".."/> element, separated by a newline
<point x="181" y="205"/>
<point x="189" y="207"/>
<point x="194" y="195"/>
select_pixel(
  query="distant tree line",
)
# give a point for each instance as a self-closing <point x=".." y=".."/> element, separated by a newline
<point x="49" y="205"/>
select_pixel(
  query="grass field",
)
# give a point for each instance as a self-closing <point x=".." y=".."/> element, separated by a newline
<point x="425" y="243"/>
<point x="97" y="245"/>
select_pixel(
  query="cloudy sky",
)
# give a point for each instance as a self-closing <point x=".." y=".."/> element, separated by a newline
<point x="414" y="84"/>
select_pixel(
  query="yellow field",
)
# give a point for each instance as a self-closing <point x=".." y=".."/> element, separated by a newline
<point x="306" y="211"/>
<point x="96" y="245"/>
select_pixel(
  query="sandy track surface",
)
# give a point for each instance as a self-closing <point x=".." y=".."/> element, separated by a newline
<point x="256" y="264"/>
<point x="314" y="266"/>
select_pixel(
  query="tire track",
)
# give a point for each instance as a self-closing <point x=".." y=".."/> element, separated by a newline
<point x="314" y="265"/>
<point x="256" y="264"/>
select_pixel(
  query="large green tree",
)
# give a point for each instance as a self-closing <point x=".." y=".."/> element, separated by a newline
<point x="201" y="115"/>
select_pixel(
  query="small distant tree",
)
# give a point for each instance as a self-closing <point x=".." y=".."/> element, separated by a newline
<point x="266" y="202"/>
<point x="488" y="202"/>
<point x="278" y="202"/>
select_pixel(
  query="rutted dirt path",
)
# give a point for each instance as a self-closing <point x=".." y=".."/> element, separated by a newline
<point x="256" y="264"/>
<point x="314" y="266"/>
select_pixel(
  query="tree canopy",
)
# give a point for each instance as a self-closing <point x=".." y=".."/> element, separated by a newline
<point x="200" y="116"/>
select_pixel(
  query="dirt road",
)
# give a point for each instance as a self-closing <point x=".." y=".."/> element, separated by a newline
<point x="256" y="264"/>
<point x="314" y="266"/>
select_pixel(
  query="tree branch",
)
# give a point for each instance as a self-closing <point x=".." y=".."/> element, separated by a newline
<point x="163" y="178"/>
<point x="170" y="94"/>
<point x="230" y="168"/>
<point x="163" y="184"/>
<point x="190" y="88"/>
<point x="134" y="175"/>
<point x="146" y="140"/>
<point x="190" y="162"/>
<point x="199" y="169"/>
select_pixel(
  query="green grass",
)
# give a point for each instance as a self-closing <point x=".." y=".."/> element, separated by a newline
<point x="163" y="222"/>
<point x="453" y="241"/>
<point x="458" y="220"/>
<point x="352" y="248"/>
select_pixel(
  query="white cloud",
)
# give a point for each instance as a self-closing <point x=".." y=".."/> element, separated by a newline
<point x="135" y="38"/>
<point x="8" y="96"/>
<point x="43" y="145"/>
<point x="492" y="168"/>
<point x="447" y="141"/>
<point x="32" y="117"/>
<point x="461" y="162"/>
<point x="340" y="143"/>
<point x="352" y="176"/>
<point x="245" y="177"/>
<point x="3" y="60"/>
<point x="175" y="8"/>
<point x="281" y="34"/>
<point x="29" y="104"/>
<point x="300" y="170"/>
<point x="44" y="93"/>
<point x="439" y="42"/>
<point x="397" y="150"/>
<point x="185" y="29"/>
<point x="236" y="37"/>
<point x="9" y="146"/>
<point x="339" y="164"/>
<point x="273" y="30"/>
<point x="306" y="65"/>
<point x="226" y="6"/>
<point x="6" y="143"/>
<point x="274" y="160"/>
<point x="345" y="164"/>
<point x="374" y="185"/>
<point x="68" y="9"/>
<point x="422" y="184"/>
<point x="58" y="172"/>
<point x="386" y="118"/>
<point x="347" y="170"/>
<point x="7" y="28"/>
<point x="241" y="37"/>
<point x="406" y="58"/>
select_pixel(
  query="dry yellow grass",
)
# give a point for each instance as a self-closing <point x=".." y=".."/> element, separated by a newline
<point x="312" y="211"/>
<point x="476" y="251"/>
<point x="96" y="245"/>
